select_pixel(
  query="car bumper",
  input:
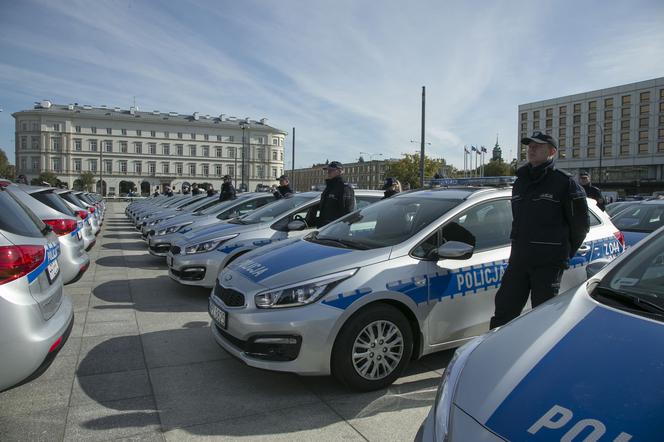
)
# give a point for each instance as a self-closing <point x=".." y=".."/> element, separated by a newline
<point x="462" y="428"/>
<point x="199" y="269"/>
<point x="72" y="258"/>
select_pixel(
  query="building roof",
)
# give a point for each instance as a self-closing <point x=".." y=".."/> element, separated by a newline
<point x="116" y="113"/>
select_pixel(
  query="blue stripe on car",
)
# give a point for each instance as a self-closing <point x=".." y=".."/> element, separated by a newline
<point x="51" y="253"/>
<point x="607" y="368"/>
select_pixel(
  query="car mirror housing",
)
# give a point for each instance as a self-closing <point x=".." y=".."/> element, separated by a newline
<point x="455" y="250"/>
<point x="297" y="225"/>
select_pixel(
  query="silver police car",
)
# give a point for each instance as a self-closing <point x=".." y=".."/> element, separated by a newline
<point x="35" y="318"/>
<point x="408" y="276"/>
<point x="159" y="241"/>
<point x="89" y="237"/>
<point x="197" y="257"/>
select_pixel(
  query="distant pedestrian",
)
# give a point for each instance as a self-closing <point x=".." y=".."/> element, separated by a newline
<point x="591" y="191"/>
<point x="168" y="191"/>
<point x="210" y="190"/>
<point x="156" y="191"/>
<point x="195" y="190"/>
<point x="284" y="188"/>
<point x="550" y="222"/>
<point x="338" y="198"/>
<point x="227" y="192"/>
<point x="391" y="186"/>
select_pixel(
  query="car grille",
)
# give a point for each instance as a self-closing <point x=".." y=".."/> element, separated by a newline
<point x="175" y="250"/>
<point x="230" y="297"/>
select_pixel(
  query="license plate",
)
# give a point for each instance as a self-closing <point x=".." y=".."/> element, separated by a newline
<point x="52" y="271"/>
<point x="218" y="315"/>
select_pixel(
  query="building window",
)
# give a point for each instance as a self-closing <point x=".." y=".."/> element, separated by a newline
<point x="661" y="106"/>
<point x="660" y="133"/>
<point x="24" y="126"/>
<point x="524" y="126"/>
<point x="35" y="127"/>
<point x="217" y="169"/>
<point x="576" y="131"/>
<point x="206" y="151"/>
<point x="230" y="152"/>
<point x="607" y="138"/>
<point x="109" y="131"/>
<point x="643" y="148"/>
<point x="275" y="142"/>
<point x="260" y="153"/>
<point x="93" y="130"/>
<point x="152" y="148"/>
<point x="562" y="110"/>
<point x="259" y="172"/>
<point x="92" y="165"/>
<point x="577" y="108"/>
<point x="164" y="167"/>
<point x="55" y="143"/>
<point x="230" y="170"/>
<point x="138" y="147"/>
<point x="55" y="162"/>
<point x="77" y="144"/>
<point x="93" y="145"/>
<point x="192" y="151"/>
<point x="178" y="168"/>
<point x="274" y="155"/>
<point x="576" y="152"/>
<point x="231" y="138"/>
<point x="591" y="140"/>
<point x="24" y="142"/>
<point x="624" y="149"/>
<point x="625" y="112"/>
<point x="35" y="164"/>
<point x="608" y="103"/>
<point x="166" y="149"/>
<point x="35" y="143"/>
<point x="108" y="166"/>
<point x="109" y="145"/>
<point x="644" y="109"/>
<point x="592" y="117"/>
<point x="549" y="112"/>
<point x="577" y="119"/>
<point x="153" y="133"/>
<point x="536" y="125"/>
<point x="608" y="125"/>
<point x="78" y="129"/>
<point x="123" y="167"/>
<point x="549" y="122"/>
<point x="56" y="127"/>
<point x="123" y="147"/>
<point x="192" y="170"/>
<point x="643" y="135"/>
<point x="660" y="145"/>
<point x="152" y="166"/>
<point x="138" y="167"/>
<point x="624" y="136"/>
<point x="576" y="141"/>
<point x="661" y="121"/>
<point x="139" y="132"/>
<point x="77" y="165"/>
<point x="193" y="136"/>
<point x="123" y="131"/>
<point x="274" y="172"/>
<point x="624" y="124"/>
<point x="562" y="121"/>
<point x="626" y="100"/>
<point x="643" y="122"/>
<point x="608" y="151"/>
<point x="206" y="170"/>
<point x="608" y="115"/>
<point x="218" y="137"/>
<point x="536" y="115"/>
<point x="645" y="97"/>
<point x="219" y="152"/>
<point x="24" y="164"/>
<point x="206" y="137"/>
<point x="592" y="106"/>
<point x="591" y="152"/>
<point x="180" y="149"/>
<point x="180" y="135"/>
<point x="562" y="143"/>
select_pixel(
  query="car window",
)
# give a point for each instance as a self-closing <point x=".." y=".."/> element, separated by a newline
<point x="271" y="211"/>
<point x="363" y="201"/>
<point x="594" y="220"/>
<point x="244" y="208"/>
<point x="640" y="218"/>
<point x="15" y="219"/>
<point x="52" y="200"/>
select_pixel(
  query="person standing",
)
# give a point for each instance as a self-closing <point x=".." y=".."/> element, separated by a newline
<point x="227" y="192"/>
<point x="284" y="189"/>
<point x="591" y="191"/>
<point x="338" y="198"/>
<point x="195" y="190"/>
<point x="550" y="222"/>
<point x="210" y="190"/>
<point x="391" y="187"/>
<point x="156" y="191"/>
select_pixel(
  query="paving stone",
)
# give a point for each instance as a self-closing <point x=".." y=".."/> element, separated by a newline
<point x="110" y="328"/>
<point x="179" y="347"/>
<point x="45" y="425"/>
<point x="164" y="318"/>
<point x="110" y="387"/>
<point x="104" y="354"/>
<point x="37" y="395"/>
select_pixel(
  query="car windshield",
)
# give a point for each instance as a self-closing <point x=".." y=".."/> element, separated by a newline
<point x="640" y="218"/>
<point x="271" y="211"/>
<point x="640" y="277"/>
<point x="213" y="210"/>
<point x="385" y="223"/>
<point x="15" y="219"/>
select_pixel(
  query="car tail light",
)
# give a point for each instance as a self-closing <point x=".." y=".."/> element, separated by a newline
<point x="18" y="261"/>
<point x="62" y="226"/>
<point x="91" y="209"/>
<point x="620" y="237"/>
<point x="82" y="213"/>
<point x="55" y="345"/>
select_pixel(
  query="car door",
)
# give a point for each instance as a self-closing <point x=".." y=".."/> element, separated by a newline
<point x="462" y="292"/>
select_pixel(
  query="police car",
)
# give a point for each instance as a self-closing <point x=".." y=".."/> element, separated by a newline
<point x="383" y="285"/>
<point x="198" y="256"/>
<point x="587" y="365"/>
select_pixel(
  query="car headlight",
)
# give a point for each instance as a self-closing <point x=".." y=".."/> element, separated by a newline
<point x="207" y="245"/>
<point x="171" y="229"/>
<point x="443" y="404"/>
<point x="301" y="293"/>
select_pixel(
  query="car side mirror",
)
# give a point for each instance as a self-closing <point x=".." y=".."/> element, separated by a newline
<point x="594" y="267"/>
<point x="296" y="225"/>
<point x="455" y="250"/>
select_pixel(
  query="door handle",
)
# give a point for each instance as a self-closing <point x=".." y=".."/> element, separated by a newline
<point x="584" y="249"/>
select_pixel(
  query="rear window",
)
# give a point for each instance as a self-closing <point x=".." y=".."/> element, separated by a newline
<point x="73" y="199"/>
<point x="53" y="201"/>
<point x="15" y="219"/>
<point x="640" y="218"/>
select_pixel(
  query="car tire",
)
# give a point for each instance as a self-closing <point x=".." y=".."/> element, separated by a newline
<point x="375" y="365"/>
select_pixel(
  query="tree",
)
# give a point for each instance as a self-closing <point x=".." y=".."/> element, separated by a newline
<point x="497" y="168"/>
<point x="407" y="169"/>
<point x="6" y="170"/>
<point x="46" y="177"/>
<point x="87" y="180"/>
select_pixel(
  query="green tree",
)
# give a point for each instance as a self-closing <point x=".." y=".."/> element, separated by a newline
<point x="46" y="177"/>
<point x="6" y="170"/>
<point x="407" y="169"/>
<point x="497" y="168"/>
<point x="87" y="180"/>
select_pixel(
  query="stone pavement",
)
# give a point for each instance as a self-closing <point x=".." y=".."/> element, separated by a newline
<point x="141" y="365"/>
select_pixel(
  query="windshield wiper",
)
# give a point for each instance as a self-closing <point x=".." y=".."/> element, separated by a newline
<point x="631" y="299"/>
<point x="237" y="221"/>
<point x="343" y="242"/>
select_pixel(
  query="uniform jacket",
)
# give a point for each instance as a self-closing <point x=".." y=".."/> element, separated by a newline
<point x="550" y="216"/>
<point x="388" y="193"/>
<point x="283" y="191"/>
<point x="337" y="200"/>
<point x="594" y="193"/>
<point x="227" y="192"/>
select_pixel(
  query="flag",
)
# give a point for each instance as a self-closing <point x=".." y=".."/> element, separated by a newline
<point x="465" y="149"/>
<point x="483" y="149"/>
<point x="473" y="148"/>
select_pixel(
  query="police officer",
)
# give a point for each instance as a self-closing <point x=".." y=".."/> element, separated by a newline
<point x="591" y="191"/>
<point x="195" y="190"/>
<point x="550" y="222"/>
<point x="156" y="191"/>
<point x="338" y="198"/>
<point x="227" y="192"/>
<point x="391" y="186"/>
<point x="284" y="188"/>
<point x="210" y="190"/>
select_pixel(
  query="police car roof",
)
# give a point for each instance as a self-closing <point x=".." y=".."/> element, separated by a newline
<point x="454" y="193"/>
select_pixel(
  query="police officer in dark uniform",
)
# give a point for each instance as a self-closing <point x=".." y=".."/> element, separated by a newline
<point x="338" y="198"/>
<point x="284" y="189"/>
<point x="390" y="187"/>
<point x="227" y="192"/>
<point x="591" y="191"/>
<point x="550" y="223"/>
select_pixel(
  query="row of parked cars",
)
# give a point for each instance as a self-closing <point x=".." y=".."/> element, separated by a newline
<point x="44" y="236"/>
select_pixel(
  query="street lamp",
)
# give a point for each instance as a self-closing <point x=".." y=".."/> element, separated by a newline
<point x="244" y="125"/>
<point x="371" y="155"/>
<point x="601" y="150"/>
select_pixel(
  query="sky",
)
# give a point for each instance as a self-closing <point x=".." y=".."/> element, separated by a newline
<point x="347" y="75"/>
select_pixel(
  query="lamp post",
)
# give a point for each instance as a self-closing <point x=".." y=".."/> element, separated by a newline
<point x="371" y="155"/>
<point x="601" y="150"/>
<point x="244" y="126"/>
<point x="101" y="168"/>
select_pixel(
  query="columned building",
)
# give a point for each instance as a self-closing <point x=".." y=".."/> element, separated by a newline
<point x="616" y="133"/>
<point x="362" y="175"/>
<point x="129" y="149"/>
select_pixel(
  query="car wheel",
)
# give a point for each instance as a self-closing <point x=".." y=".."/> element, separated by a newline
<point x="373" y="348"/>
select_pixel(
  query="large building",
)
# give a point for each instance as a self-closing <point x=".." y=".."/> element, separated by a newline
<point x="616" y="133"/>
<point x="363" y="175"/>
<point x="129" y="149"/>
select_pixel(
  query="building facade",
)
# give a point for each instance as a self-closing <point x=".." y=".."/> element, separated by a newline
<point x="129" y="149"/>
<point x="362" y="175"/>
<point x="616" y="133"/>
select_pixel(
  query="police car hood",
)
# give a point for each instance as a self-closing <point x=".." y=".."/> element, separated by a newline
<point x="293" y="261"/>
<point x="592" y="361"/>
<point x="214" y="231"/>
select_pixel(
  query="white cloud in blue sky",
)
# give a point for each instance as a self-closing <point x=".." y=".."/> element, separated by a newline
<point x="346" y="74"/>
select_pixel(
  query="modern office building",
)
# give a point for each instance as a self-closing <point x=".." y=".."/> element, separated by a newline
<point x="129" y="149"/>
<point x="362" y="175"/>
<point x="616" y="133"/>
